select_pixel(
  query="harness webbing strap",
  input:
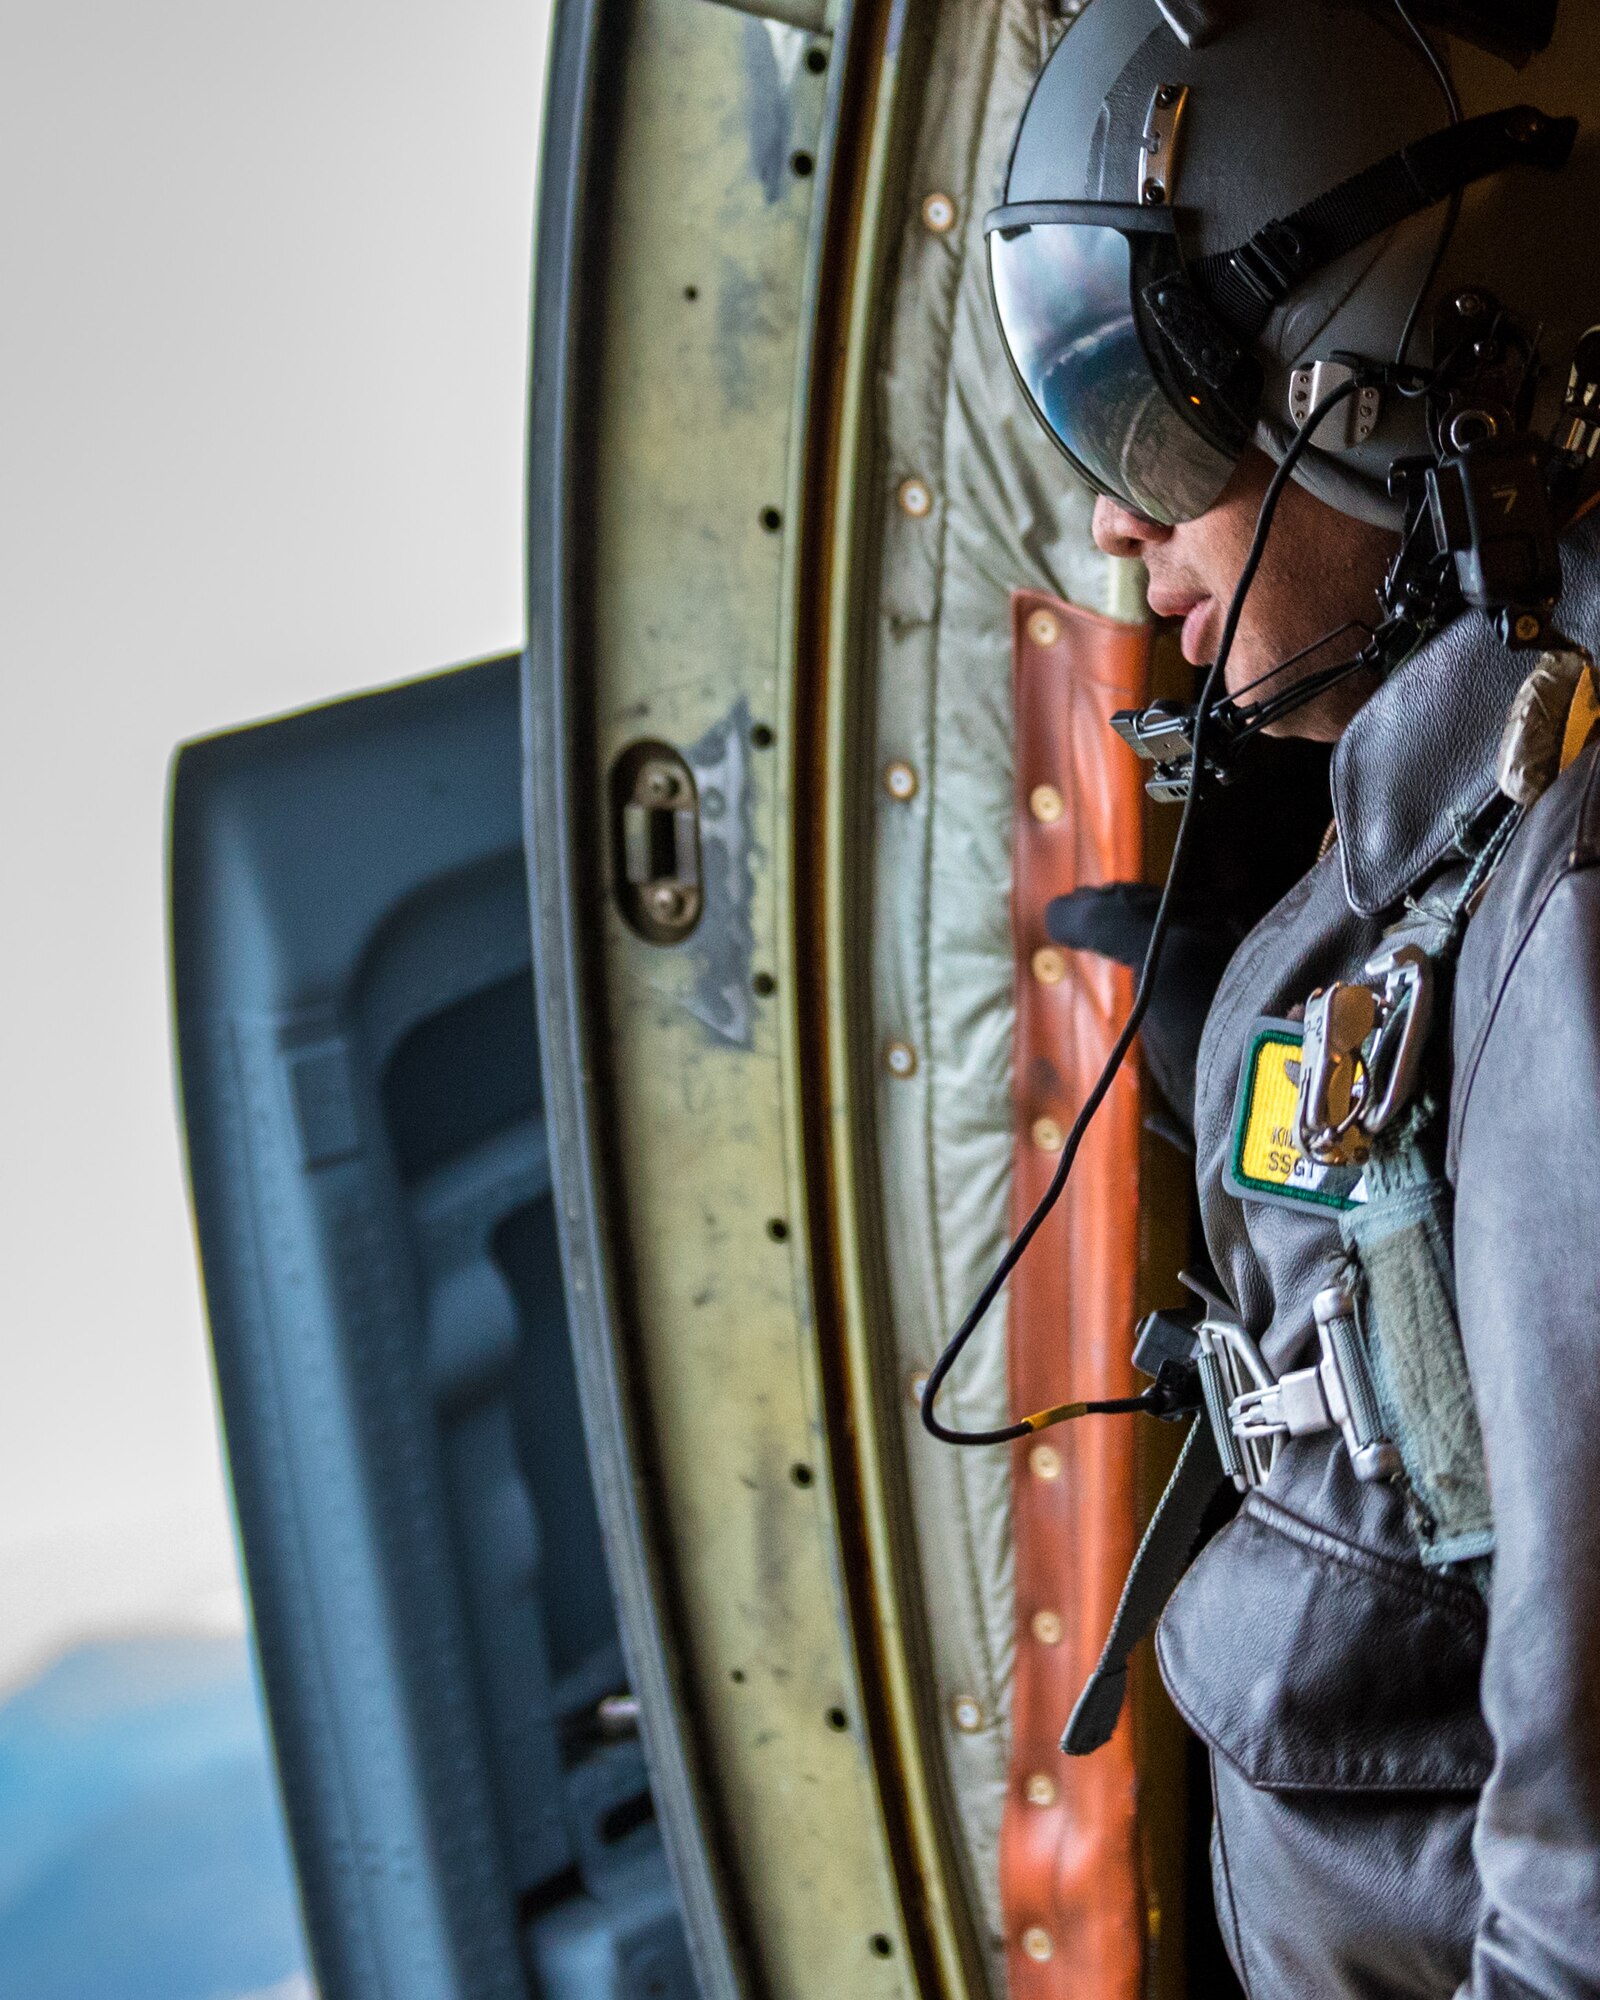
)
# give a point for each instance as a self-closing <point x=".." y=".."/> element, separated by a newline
<point x="1162" y="1558"/>
<point x="1247" y="283"/>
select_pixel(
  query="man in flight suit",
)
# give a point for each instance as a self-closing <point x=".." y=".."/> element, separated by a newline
<point x="1406" y="1752"/>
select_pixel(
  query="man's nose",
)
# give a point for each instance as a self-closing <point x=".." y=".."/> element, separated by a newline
<point x="1119" y="531"/>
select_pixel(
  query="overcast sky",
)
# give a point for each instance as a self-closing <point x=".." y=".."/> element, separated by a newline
<point x="261" y="423"/>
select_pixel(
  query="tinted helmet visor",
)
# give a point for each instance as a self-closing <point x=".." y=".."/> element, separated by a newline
<point x="1075" y="284"/>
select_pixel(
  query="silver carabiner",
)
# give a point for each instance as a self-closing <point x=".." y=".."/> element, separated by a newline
<point x="1361" y="1054"/>
<point x="1405" y="1015"/>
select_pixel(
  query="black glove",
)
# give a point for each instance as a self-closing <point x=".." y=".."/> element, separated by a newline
<point x="1252" y="839"/>
<point x="1116" y="921"/>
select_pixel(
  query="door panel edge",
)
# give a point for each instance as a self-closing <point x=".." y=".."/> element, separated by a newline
<point x="559" y="876"/>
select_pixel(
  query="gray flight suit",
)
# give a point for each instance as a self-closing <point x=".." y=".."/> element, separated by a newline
<point x="1407" y="1778"/>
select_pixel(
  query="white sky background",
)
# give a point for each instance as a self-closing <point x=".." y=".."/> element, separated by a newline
<point x="265" y="276"/>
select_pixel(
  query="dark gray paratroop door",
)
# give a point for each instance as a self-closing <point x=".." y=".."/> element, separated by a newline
<point x="470" y="1816"/>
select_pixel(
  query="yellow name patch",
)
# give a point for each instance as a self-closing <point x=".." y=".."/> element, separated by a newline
<point x="1264" y="1161"/>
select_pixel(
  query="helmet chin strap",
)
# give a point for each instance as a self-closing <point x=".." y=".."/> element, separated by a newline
<point x="1247" y="284"/>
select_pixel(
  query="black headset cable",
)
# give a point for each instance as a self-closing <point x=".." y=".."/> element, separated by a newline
<point x="1143" y="992"/>
<point x="1453" y="211"/>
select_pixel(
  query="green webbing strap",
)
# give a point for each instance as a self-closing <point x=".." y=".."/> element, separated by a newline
<point x="1401" y="1241"/>
<point x="1163" y="1557"/>
<point x="1401" y="1238"/>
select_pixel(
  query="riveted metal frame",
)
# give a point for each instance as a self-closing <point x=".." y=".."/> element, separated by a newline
<point x="837" y="603"/>
<point x="769" y="1610"/>
<point x="555" y="717"/>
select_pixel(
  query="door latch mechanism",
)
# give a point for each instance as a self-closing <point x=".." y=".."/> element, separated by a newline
<point x="659" y="883"/>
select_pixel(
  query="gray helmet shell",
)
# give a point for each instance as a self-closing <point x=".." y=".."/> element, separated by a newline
<point x="1288" y="98"/>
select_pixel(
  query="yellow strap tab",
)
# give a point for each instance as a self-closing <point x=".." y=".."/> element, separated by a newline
<point x="1581" y="717"/>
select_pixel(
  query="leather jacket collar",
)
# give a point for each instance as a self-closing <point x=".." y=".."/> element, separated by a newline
<point x="1414" y="772"/>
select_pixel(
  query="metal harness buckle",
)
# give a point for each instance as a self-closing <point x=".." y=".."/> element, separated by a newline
<point x="1252" y="1411"/>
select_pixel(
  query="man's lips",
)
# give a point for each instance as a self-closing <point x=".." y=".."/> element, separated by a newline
<point x="1196" y="615"/>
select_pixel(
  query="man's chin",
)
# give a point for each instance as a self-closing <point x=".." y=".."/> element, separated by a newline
<point x="1248" y="679"/>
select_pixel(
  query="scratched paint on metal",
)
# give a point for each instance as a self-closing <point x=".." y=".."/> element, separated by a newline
<point x="723" y="942"/>
<point x="704" y="257"/>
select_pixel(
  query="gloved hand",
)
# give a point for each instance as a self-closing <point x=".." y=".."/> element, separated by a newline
<point x="1116" y="921"/>
<point x="1252" y="840"/>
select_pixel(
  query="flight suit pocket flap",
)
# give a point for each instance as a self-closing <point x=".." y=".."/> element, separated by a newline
<point x="1313" y="1665"/>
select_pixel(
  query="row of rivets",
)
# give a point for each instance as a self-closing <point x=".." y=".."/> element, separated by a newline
<point x="1039" y="1788"/>
<point x="900" y="1059"/>
<point x="917" y="499"/>
<point x="1045" y="1133"/>
<point x="1049" y="968"/>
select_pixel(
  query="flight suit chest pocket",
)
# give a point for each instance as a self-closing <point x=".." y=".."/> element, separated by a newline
<point x="1313" y="1665"/>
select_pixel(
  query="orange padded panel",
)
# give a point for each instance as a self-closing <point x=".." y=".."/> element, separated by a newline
<point x="1069" y="1850"/>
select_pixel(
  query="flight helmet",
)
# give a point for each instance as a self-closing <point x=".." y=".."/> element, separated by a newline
<point x="1215" y="210"/>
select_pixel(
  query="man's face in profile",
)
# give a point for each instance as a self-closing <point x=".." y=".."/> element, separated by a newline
<point x="1321" y="571"/>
